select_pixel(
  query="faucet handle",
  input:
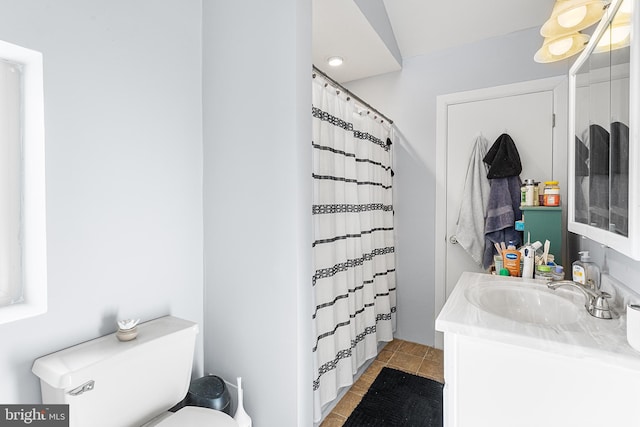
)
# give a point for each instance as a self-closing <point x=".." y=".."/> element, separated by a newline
<point x="600" y="306"/>
<point x="595" y="301"/>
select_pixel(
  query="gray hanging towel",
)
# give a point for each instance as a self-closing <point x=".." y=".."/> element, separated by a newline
<point x="475" y="198"/>
<point x="502" y="213"/>
<point x="503" y="158"/>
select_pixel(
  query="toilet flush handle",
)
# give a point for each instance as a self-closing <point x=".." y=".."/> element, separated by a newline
<point x="88" y="386"/>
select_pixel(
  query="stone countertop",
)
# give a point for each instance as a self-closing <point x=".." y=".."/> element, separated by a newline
<point x="587" y="337"/>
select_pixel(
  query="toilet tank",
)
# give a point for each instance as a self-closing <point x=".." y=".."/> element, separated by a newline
<point x="126" y="383"/>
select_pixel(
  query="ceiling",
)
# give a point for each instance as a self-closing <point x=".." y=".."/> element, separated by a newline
<point x="373" y="36"/>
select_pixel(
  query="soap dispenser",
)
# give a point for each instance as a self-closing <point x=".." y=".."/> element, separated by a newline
<point x="586" y="272"/>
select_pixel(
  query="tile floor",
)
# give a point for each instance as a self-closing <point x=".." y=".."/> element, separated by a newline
<point x="405" y="356"/>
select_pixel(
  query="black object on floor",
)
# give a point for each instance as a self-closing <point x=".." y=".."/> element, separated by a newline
<point x="399" y="399"/>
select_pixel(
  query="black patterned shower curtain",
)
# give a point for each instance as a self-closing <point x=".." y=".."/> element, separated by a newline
<point x="354" y="284"/>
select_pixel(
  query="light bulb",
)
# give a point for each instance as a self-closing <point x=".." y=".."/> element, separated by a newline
<point x="560" y="47"/>
<point x="335" y="61"/>
<point x="614" y="36"/>
<point x="572" y="17"/>
<point x="605" y="40"/>
<point x="618" y="34"/>
<point x="626" y="7"/>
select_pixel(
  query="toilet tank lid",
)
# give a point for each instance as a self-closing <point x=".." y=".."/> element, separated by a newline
<point x="57" y="369"/>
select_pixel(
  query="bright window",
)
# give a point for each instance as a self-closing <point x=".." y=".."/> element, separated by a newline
<point x="23" y="278"/>
<point x="10" y="183"/>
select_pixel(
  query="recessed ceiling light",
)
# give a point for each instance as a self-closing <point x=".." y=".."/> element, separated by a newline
<point x="335" y="61"/>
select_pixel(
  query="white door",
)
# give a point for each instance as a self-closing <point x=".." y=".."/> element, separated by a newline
<point x="528" y="119"/>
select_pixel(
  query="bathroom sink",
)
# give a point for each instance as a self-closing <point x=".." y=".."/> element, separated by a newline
<point x="535" y="305"/>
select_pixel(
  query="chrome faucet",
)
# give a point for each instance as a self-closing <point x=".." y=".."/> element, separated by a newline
<point x="595" y="300"/>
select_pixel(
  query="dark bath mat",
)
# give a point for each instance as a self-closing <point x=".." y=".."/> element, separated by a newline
<point x="399" y="399"/>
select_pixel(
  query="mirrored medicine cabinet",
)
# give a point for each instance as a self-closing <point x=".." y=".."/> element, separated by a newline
<point x="604" y="166"/>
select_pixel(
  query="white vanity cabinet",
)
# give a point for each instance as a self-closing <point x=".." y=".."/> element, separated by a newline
<point x="492" y="383"/>
<point x="501" y="372"/>
<point x="604" y="118"/>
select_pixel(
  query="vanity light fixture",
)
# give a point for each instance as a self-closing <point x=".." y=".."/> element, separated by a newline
<point x="561" y="47"/>
<point x="569" y="16"/>
<point x="562" y="38"/>
<point x="335" y="61"/>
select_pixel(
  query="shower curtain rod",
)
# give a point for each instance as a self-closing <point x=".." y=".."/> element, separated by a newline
<point x="356" y="97"/>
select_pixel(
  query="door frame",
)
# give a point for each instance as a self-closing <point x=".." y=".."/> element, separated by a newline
<point x="559" y="86"/>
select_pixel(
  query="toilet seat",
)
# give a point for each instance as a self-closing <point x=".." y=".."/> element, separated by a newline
<point x="194" y="416"/>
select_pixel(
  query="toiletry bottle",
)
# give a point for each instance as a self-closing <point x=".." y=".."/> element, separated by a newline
<point x="586" y="272"/>
<point x="529" y="192"/>
<point x="511" y="260"/>
<point x="551" y="193"/>
<point x="540" y="194"/>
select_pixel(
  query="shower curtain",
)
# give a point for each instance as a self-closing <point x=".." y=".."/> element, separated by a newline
<point x="353" y="240"/>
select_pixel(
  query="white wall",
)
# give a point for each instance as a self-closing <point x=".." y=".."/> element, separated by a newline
<point x="123" y="123"/>
<point x="409" y="98"/>
<point x="257" y="203"/>
<point x="617" y="265"/>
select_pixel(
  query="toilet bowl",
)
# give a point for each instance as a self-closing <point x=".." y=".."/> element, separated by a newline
<point x="111" y="383"/>
<point x="193" y="416"/>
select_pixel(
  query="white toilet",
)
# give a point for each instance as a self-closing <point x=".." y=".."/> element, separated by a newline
<point x="112" y="383"/>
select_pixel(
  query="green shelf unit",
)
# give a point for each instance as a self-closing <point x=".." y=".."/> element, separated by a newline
<point x="544" y="223"/>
